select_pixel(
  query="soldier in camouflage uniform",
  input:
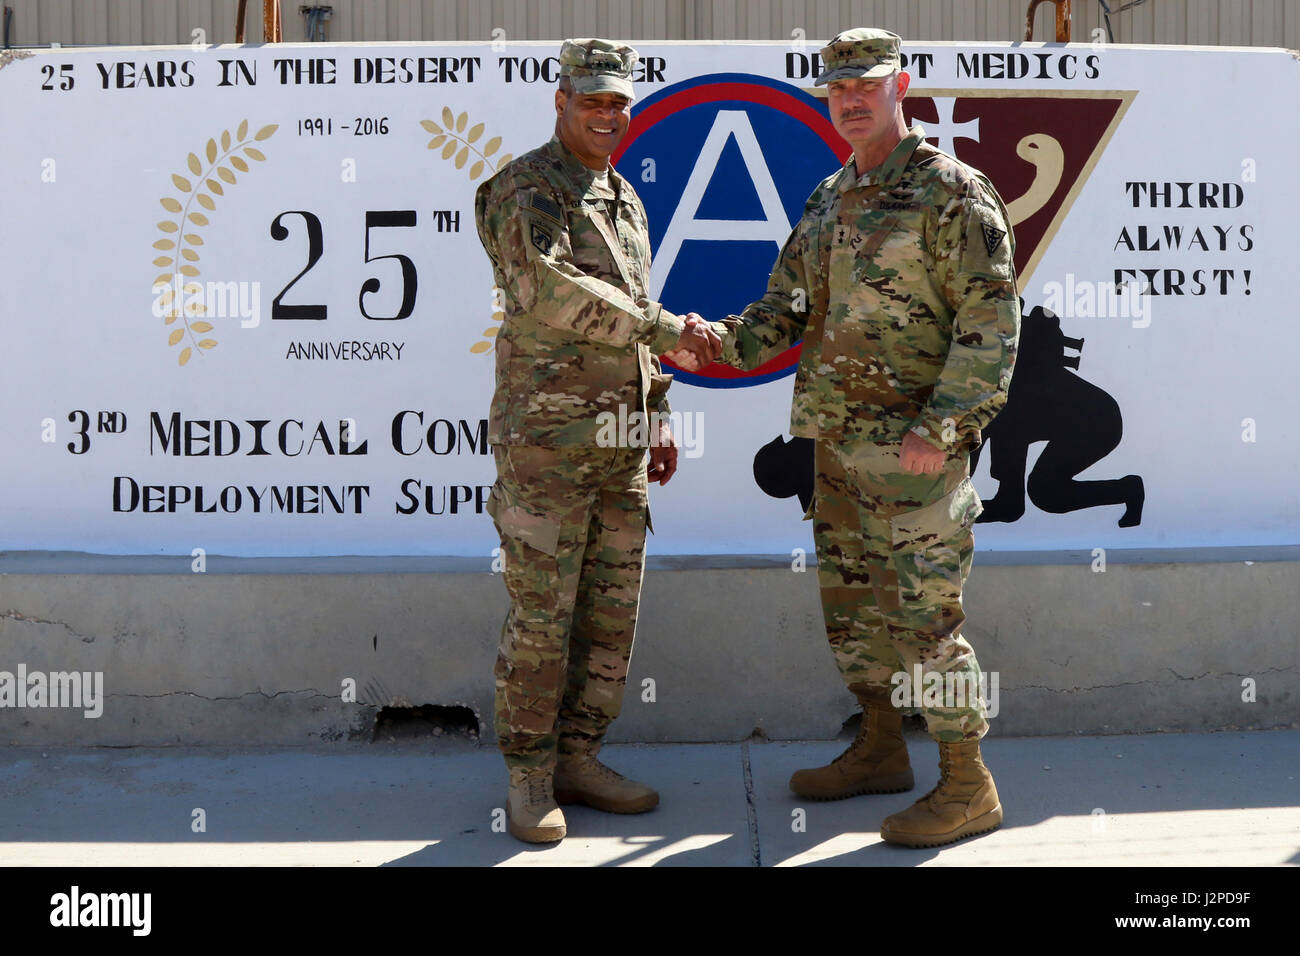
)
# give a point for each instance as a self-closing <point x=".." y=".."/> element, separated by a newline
<point x="570" y="252"/>
<point x="900" y="280"/>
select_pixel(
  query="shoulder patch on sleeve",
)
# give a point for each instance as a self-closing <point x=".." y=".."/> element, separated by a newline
<point x="989" y="241"/>
<point x="541" y="235"/>
<point x="992" y="237"/>
<point x="546" y="206"/>
<point x="542" y="221"/>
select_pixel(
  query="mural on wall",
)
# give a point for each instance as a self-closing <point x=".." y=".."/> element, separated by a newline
<point x="285" y="343"/>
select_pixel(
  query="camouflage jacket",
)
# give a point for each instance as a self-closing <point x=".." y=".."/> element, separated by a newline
<point x="902" y="284"/>
<point x="580" y="336"/>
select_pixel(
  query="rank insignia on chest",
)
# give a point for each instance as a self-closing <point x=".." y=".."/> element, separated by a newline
<point x="992" y="237"/>
<point x="541" y="237"/>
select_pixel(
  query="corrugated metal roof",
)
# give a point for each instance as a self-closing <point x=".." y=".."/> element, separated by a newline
<point x="136" y="22"/>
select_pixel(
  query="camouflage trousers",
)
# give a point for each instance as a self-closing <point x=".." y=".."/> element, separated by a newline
<point x="572" y="522"/>
<point x="894" y="550"/>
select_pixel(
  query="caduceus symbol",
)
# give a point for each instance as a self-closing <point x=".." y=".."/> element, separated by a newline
<point x="1040" y="150"/>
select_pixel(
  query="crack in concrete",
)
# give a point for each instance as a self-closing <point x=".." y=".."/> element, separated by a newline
<point x="251" y="693"/>
<point x="14" y="615"/>
<point x="1139" y="683"/>
<point x="751" y="811"/>
<point x="1266" y="670"/>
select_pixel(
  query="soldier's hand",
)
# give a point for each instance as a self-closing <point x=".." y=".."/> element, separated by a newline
<point x="683" y="359"/>
<point x="663" y="456"/>
<point x="687" y="359"/>
<point x="700" y="340"/>
<point x="919" y="457"/>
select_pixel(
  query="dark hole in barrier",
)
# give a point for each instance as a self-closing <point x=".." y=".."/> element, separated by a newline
<point x="426" y="720"/>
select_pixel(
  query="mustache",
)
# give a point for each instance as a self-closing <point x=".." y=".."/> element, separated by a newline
<point x="854" y="114"/>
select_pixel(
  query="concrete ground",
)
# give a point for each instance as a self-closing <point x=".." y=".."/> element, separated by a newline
<point x="1225" y="799"/>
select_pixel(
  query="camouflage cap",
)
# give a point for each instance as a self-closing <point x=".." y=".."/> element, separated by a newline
<point x="598" y="66"/>
<point x="863" y="52"/>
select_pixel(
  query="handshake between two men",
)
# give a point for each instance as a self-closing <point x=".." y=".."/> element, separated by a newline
<point x="698" y="347"/>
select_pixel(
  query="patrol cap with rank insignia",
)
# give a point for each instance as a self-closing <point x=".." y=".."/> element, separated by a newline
<point x="864" y="52"/>
<point x="598" y="66"/>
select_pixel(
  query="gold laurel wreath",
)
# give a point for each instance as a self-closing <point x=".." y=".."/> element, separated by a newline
<point x="485" y="343"/>
<point x="192" y="193"/>
<point x="447" y="137"/>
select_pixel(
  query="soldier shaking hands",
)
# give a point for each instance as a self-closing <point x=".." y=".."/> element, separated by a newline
<point x="570" y="251"/>
<point x="899" y="279"/>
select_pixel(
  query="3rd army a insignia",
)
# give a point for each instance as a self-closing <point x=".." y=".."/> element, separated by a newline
<point x="541" y="237"/>
<point x="992" y="237"/>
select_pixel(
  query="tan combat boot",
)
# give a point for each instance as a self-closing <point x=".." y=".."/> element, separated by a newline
<point x="584" y="779"/>
<point x="876" y="761"/>
<point x="531" y="813"/>
<point x="964" y="803"/>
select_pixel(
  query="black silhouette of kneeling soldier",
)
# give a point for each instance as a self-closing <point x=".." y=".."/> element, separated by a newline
<point x="1046" y="402"/>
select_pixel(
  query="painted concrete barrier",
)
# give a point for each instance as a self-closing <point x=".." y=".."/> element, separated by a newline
<point x="725" y="647"/>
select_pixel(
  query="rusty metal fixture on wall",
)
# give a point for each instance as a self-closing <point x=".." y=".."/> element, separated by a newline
<point x="1062" y="19"/>
<point x="272" y="28"/>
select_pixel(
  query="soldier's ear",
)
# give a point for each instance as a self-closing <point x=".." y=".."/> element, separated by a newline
<point x="560" y="100"/>
<point x="904" y="81"/>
